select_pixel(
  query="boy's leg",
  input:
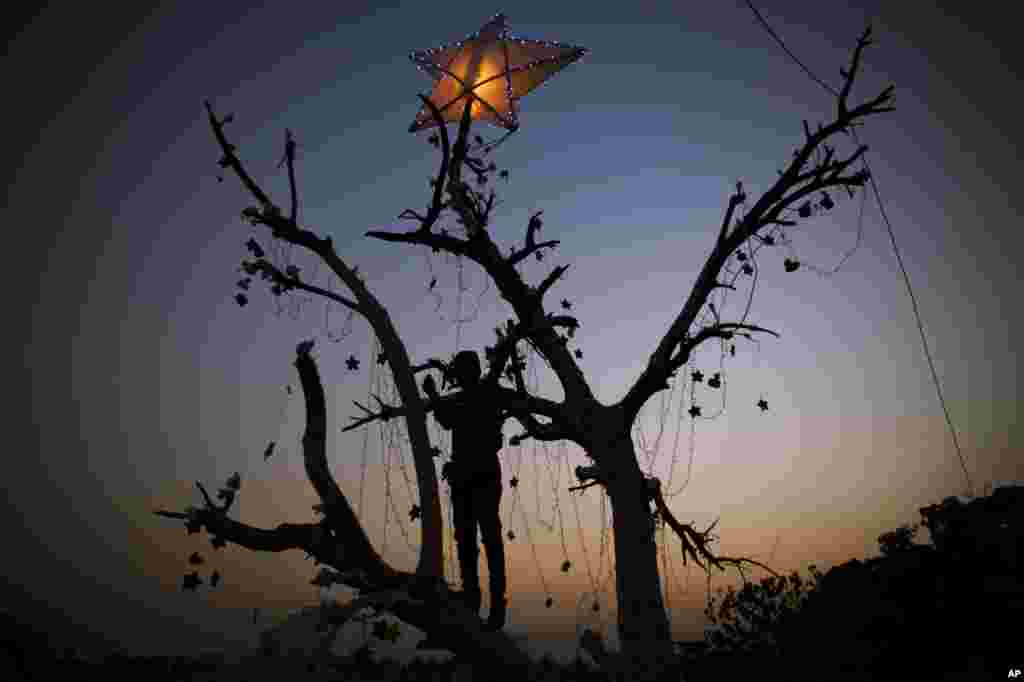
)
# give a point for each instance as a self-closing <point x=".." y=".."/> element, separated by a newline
<point x="488" y="500"/>
<point x="466" y="542"/>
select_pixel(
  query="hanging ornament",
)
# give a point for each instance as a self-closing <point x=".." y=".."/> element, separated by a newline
<point x="715" y="381"/>
<point x="791" y="265"/>
<point x="352" y="363"/>
<point x="191" y="581"/>
<point x="763" y="404"/>
<point x="805" y="210"/>
<point x="697" y="376"/>
<point x="694" y="411"/>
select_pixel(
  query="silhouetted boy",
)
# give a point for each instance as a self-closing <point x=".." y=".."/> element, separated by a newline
<point x="474" y="476"/>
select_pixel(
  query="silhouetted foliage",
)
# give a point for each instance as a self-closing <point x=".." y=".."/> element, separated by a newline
<point x="754" y="616"/>
<point x="899" y="540"/>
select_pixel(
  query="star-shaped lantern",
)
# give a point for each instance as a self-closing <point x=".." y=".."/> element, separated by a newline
<point x="491" y="70"/>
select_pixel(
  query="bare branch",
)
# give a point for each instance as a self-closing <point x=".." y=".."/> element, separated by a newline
<point x="442" y="175"/>
<point x="792" y="185"/>
<point x="531" y="245"/>
<point x="454" y="245"/>
<point x="849" y="76"/>
<point x="293" y="282"/>
<point x="519" y="405"/>
<point x="550" y="280"/>
<point x="735" y="200"/>
<point x="695" y="543"/>
<point x="230" y="159"/>
<point x="289" y="158"/>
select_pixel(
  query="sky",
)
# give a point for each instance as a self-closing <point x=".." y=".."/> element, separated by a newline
<point x="137" y="373"/>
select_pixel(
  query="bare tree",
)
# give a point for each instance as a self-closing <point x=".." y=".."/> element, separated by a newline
<point x="423" y="598"/>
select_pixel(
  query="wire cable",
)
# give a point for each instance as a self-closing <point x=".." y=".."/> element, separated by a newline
<point x="896" y="250"/>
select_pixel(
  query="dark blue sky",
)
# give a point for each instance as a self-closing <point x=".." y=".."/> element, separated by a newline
<point x="138" y="374"/>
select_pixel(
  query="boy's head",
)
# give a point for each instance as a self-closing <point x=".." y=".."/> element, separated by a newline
<point x="466" y="368"/>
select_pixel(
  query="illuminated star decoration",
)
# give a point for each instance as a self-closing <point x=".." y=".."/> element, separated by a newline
<point x="492" y="69"/>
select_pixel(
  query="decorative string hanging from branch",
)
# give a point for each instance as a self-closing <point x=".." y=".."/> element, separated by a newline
<point x="490" y="70"/>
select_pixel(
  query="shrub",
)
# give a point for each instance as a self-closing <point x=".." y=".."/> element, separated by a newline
<point x="753" y="617"/>
<point x="899" y="540"/>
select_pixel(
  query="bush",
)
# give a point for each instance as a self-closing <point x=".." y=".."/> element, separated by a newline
<point x="899" y="540"/>
<point x="754" y="617"/>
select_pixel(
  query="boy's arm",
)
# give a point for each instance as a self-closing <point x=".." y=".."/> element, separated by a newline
<point x="444" y="411"/>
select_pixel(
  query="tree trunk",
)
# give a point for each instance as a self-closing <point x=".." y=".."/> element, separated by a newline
<point x="644" y="634"/>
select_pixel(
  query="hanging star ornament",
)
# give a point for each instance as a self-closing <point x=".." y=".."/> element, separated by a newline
<point x="491" y="71"/>
<point x="191" y="581"/>
<point x="763" y="404"/>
